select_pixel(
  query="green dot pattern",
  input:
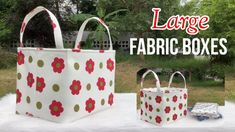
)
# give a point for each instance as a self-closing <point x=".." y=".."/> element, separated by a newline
<point x="30" y="59"/>
<point x="76" y="66"/>
<point x="88" y="87"/>
<point x="28" y="99"/>
<point x="102" y="102"/>
<point x="19" y="76"/>
<point x="39" y="105"/>
<point x="76" y="108"/>
<point x="101" y="65"/>
<point x="56" y="87"/>
<point x="40" y="63"/>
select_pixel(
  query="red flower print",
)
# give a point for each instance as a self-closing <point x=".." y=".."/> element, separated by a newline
<point x="29" y="114"/>
<point x="18" y="96"/>
<point x="110" y="64"/>
<point x="167" y="109"/>
<point x="76" y="50"/>
<point x="174" y="117"/>
<point x="90" y="105"/>
<point x="110" y="101"/>
<point x="40" y="84"/>
<point x="101" y="83"/>
<point x="141" y="94"/>
<point x="158" y="119"/>
<point x="146" y="105"/>
<point x="158" y="99"/>
<point x="22" y="27"/>
<point x="53" y="24"/>
<point x="150" y="108"/>
<point x="90" y="66"/>
<point x="20" y="58"/>
<point x="30" y="79"/>
<point x="185" y="96"/>
<point x="141" y="112"/>
<point x="58" y="65"/>
<point x="101" y="51"/>
<point x="180" y="106"/>
<point x="185" y="112"/>
<point x="56" y="108"/>
<point x="75" y="87"/>
<point x="174" y="99"/>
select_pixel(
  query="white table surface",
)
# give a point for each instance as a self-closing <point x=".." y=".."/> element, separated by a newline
<point x="121" y="117"/>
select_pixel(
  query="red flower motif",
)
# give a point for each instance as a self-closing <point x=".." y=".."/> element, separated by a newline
<point x="150" y="108"/>
<point x="101" y="83"/>
<point x="29" y="114"/>
<point x="18" y="96"/>
<point x="141" y="94"/>
<point x="75" y="87"/>
<point x="141" y="112"/>
<point x="174" y="117"/>
<point x="158" y="119"/>
<point x="20" y="58"/>
<point x="30" y="79"/>
<point x="146" y="105"/>
<point x="158" y="99"/>
<point x="174" y="99"/>
<point x="110" y="64"/>
<point x="167" y="109"/>
<point x="56" y="108"/>
<point x="58" y="65"/>
<point x="40" y="84"/>
<point x="185" y="112"/>
<point x="90" y="66"/>
<point x="53" y="24"/>
<point x="90" y="105"/>
<point x="22" y="27"/>
<point x="185" y="96"/>
<point x="110" y="101"/>
<point x="76" y="50"/>
<point x="180" y="106"/>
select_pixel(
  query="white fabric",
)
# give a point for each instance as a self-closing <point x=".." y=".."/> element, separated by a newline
<point x="121" y="117"/>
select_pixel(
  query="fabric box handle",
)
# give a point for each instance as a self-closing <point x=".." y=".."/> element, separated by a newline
<point x="54" y="23"/>
<point x="156" y="77"/>
<point x="82" y="28"/>
<point x="171" y="78"/>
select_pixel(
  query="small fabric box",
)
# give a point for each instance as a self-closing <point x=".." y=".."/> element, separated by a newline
<point x="205" y="109"/>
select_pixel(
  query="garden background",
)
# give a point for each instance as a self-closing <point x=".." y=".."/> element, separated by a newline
<point x="134" y="17"/>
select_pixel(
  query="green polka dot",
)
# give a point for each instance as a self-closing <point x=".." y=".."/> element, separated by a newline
<point x="40" y="63"/>
<point x="76" y="108"/>
<point x="19" y="76"/>
<point x="88" y="87"/>
<point x="180" y="97"/>
<point x="180" y="114"/>
<point x="56" y="87"/>
<point x="39" y="105"/>
<point x="145" y="95"/>
<point x="168" y="119"/>
<point x="158" y="110"/>
<point x="28" y="99"/>
<point x="102" y="101"/>
<point x="150" y="117"/>
<point x="30" y="59"/>
<point x="101" y="65"/>
<point x="184" y="105"/>
<point x="145" y="114"/>
<point x="110" y="83"/>
<point x="150" y="97"/>
<point x="141" y="102"/>
<point x="167" y="99"/>
<point x="174" y="108"/>
<point x="76" y="66"/>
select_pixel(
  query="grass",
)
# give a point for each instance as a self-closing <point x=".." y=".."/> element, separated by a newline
<point x="230" y="87"/>
<point x="7" y="59"/>
<point x="7" y="81"/>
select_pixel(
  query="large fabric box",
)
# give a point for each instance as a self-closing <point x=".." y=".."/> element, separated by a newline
<point x="62" y="85"/>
